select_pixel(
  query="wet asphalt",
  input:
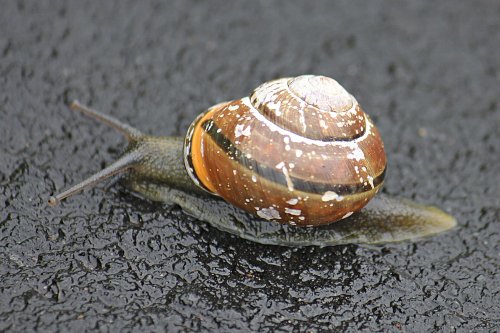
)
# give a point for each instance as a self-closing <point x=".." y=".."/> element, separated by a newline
<point x="107" y="261"/>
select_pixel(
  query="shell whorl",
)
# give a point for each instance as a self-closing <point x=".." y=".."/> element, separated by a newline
<point x="282" y="155"/>
<point x="315" y="107"/>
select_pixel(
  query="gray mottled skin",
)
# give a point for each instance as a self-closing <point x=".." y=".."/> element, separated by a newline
<point x="161" y="163"/>
<point x="385" y="219"/>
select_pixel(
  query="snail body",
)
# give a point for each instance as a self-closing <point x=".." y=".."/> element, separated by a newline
<point x="297" y="151"/>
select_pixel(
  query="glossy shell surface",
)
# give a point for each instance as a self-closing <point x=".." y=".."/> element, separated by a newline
<point x="298" y="150"/>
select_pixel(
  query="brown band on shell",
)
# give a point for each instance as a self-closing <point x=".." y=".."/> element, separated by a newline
<point x="315" y="107"/>
<point x="276" y="175"/>
<point x="329" y="162"/>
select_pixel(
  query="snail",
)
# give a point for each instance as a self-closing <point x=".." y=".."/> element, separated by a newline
<point x="292" y="164"/>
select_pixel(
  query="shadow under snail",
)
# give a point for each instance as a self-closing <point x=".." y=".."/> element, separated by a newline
<point x="298" y="151"/>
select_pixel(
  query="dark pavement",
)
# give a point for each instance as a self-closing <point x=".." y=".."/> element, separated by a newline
<point x="106" y="261"/>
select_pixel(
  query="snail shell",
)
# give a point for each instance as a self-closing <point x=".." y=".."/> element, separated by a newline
<point x="299" y="151"/>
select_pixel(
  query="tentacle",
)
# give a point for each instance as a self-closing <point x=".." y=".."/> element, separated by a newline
<point x="131" y="133"/>
<point x="119" y="166"/>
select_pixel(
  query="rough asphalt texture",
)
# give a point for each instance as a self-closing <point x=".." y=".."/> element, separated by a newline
<point x="107" y="261"/>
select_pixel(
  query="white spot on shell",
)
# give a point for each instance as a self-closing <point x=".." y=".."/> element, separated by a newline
<point x="254" y="178"/>
<point x="302" y="119"/>
<point x="233" y="107"/>
<point x="268" y="213"/>
<point x="240" y="130"/>
<point x="370" y="180"/>
<point x="330" y="195"/>
<point x="280" y="165"/>
<point x="298" y="153"/>
<point x="356" y="154"/>
<point x="289" y="183"/>
<point x="293" y="201"/>
<point x="292" y="211"/>
<point x="346" y="215"/>
<point x="202" y="145"/>
<point x="275" y="106"/>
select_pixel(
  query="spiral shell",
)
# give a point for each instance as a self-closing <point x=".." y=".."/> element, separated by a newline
<point x="297" y="150"/>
